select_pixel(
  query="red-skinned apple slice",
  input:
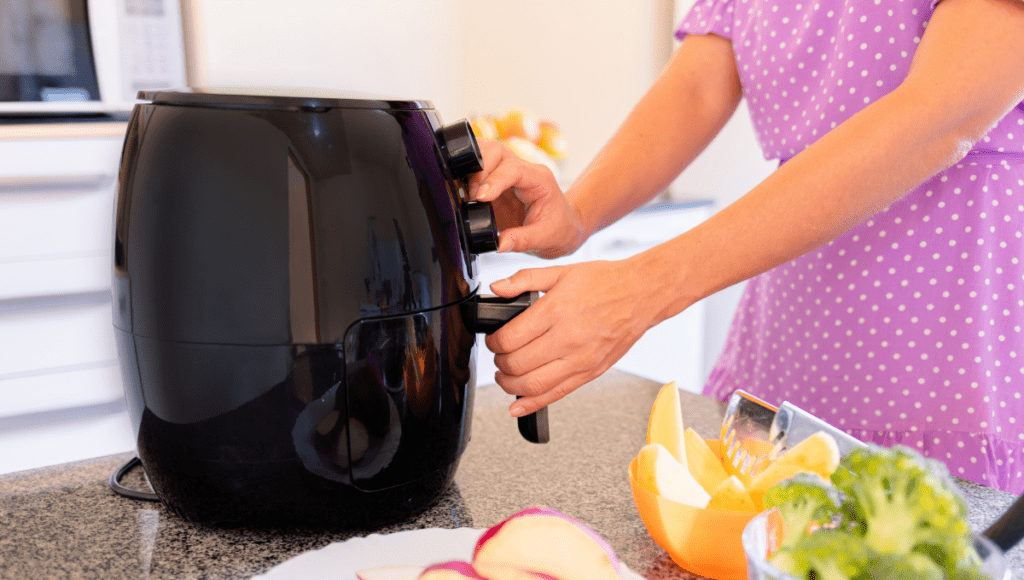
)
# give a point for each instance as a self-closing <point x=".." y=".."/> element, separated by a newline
<point x="451" y="571"/>
<point x="547" y="541"/>
<point x="503" y="572"/>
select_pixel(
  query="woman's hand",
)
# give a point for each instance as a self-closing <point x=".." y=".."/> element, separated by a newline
<point x="532" y="213"/>
<point x="589" y="316"/>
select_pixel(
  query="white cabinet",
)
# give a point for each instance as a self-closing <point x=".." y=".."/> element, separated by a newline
<point x="671" y="351"/>
<point x="61" y="397"/>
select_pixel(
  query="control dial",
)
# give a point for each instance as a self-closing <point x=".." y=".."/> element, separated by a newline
<point x="481" y="228"/>
<point x="460" y="149"/>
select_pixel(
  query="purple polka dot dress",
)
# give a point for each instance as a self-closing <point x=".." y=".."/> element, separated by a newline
<point x="908" y="328"/>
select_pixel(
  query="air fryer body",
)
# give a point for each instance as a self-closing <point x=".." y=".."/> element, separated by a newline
<point x="289" y="287"/>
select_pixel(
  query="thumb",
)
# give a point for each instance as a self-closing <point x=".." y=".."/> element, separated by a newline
<point x="539" y="279"/>
<point x="523" y="239"/>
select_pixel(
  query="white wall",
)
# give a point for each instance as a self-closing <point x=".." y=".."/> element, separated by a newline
<point x="406" y="49"/>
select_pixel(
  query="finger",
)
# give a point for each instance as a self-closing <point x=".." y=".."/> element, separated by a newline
<point x="530" y="180"/>
<point x="528" y="280"/>
<point x="532" y="404"/>
<point x="530" y="357"/>
<point x="491" y="153"/>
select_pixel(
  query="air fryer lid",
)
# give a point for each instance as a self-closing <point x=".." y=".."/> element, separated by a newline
<point x="280" y="99"/>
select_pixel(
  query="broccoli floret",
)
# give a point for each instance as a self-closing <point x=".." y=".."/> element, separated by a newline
<point x="912" y="566"/>
<point x="825" y="555"/>
<point x="901" y="502"/>
<point x="803" y="500"/>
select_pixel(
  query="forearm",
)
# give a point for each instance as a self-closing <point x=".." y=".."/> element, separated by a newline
<point x="677" y="118"/>
<point x="924" y="126"/>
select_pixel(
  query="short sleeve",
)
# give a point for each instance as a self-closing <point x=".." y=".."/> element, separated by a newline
<point x="708" y="16"/>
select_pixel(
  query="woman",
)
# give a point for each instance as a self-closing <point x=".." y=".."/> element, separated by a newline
<point x="887" y="293"/>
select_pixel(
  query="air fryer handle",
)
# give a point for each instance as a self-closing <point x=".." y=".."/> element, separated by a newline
<point x="491" y="313"/>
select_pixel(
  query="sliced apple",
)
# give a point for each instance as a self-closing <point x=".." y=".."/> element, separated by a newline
<point x="658" y="471"/>
<point x="703" y="464"/>
<point x="549" y="542"/>
<point x="451" y="571"/>
<point x="816" y="454"/>
<point x="391" y="573"/>
<point x="502" y="572"/>
<point x="665" y="425"/>
<point x="732" y="496"/>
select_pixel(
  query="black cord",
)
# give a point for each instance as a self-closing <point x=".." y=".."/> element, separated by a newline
<point x="115" y="483"/>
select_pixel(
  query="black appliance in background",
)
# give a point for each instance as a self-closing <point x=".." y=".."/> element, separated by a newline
<point x="295" y="305"/>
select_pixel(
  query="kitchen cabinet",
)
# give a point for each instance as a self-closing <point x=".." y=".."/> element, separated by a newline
<point x="60" y="389"/>
<point x="671" y="351"/>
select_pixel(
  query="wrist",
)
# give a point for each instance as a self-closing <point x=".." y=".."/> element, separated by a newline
<point x="664" y="276"/>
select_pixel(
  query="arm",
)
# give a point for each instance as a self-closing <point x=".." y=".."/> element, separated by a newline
<point x="967" y="73"/>
<point x="693" y="98"/>
<point x="671" y="125"/>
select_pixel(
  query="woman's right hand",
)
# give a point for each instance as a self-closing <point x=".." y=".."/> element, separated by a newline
<point x="533" y="214"/>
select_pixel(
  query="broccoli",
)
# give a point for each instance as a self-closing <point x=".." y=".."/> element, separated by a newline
<point x="825" y="555"/>
<point x="912" y="566"/>
<point x="901" y="503"/>
<point x="803" y="500"/>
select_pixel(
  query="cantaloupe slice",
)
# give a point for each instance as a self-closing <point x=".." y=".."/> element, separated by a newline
<point x="703" y="464"/>
<point x="732" y="496"/>
<point x="658" y="471"/>
<point x="816" y="454"/>
<point x="665" y="425"/>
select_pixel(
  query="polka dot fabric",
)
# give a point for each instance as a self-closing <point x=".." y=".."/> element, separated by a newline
<point x="908" y="328"/>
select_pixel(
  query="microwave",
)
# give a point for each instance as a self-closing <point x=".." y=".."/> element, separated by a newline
<point x="87" y="57"/>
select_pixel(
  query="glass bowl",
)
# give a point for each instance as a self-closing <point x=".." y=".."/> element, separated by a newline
<point x="763" y="535"/>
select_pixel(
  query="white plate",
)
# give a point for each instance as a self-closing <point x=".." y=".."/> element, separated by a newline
<point x="341" y="560"/>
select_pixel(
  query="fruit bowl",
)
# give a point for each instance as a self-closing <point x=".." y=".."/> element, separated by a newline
<point x="764" y="533"/>
<point x="703" y="541"/>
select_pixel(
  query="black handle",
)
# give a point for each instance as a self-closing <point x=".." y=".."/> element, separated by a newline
<point x="486" y="314"/>
<point x="534" y="427"/>
<point x="493" y="312"/>
<point x="1009" y="528"/>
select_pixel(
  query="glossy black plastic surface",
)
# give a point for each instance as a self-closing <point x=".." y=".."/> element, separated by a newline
<point x="238" y="434"/>
<point x="290" y="285"/>
<point x="268" y="227"/>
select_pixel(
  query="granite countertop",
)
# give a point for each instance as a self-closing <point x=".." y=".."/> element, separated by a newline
<point x="65" y="522"/>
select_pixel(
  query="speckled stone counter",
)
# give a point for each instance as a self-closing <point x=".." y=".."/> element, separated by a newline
<point x="65" y="522"/>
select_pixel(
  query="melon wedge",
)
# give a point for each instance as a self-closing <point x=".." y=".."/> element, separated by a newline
<point x="732" y="496"/>
<point x="658" y="471"/>
<point x="704" y="464"/>
<point x="665" y="425"/>
<point x="816" y="454"/>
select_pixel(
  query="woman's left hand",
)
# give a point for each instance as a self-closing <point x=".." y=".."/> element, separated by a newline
<point x="589" y="316"/>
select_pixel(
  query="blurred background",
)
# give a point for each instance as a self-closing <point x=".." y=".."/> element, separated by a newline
<point x="580" y="64"/>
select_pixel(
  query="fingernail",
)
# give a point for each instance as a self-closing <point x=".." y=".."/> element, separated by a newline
<point x="504" y="244"/>
<point x="500" y="284"/>
<point x="482" y="190"/>
<point x="517" y="411"/>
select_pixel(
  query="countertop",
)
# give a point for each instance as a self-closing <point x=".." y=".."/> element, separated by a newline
<point x="65" y="522"/>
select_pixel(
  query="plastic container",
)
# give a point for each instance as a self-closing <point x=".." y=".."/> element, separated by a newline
<point x="764" y="533"/>
<point x="703" y="541"/>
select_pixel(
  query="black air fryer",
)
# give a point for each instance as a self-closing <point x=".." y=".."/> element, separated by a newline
<point x="295" y="305"/>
